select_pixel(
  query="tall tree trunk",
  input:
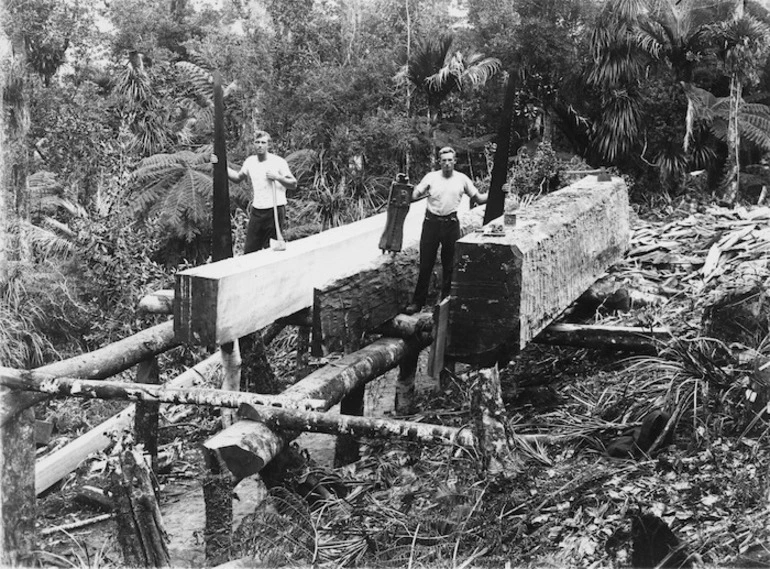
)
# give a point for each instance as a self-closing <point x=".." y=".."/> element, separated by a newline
<point x="6" y="61"/>
<point x="14" y="107"/>
<point x="17" y="463"/>
<point x="731" y="181"/>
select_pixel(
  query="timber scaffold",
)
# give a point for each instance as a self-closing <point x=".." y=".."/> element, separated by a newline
<point x="510" y="285"/>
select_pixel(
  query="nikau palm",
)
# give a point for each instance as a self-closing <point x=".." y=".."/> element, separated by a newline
<point x="436" y="72"/>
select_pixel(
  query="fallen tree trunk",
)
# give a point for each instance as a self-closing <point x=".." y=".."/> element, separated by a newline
<point x="510" y="284"/>
<point x="52" y="468"/>
<point x="632" y="339"/>
<point x="214" y="303"/>
<point x="102" y="363"/>
<point x="145" y="392"/>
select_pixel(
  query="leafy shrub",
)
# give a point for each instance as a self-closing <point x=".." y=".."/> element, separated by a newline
<point x="536" y="173"/>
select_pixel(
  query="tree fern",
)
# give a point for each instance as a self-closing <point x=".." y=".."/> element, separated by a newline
<point x="176" y="190"/>
<point x="704" y="108"/>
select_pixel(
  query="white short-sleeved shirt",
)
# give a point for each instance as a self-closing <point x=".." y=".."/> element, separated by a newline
<point x="256" y="171"/>
<point x="445" y="194"/>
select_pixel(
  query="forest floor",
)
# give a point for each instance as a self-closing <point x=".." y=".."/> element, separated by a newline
<point x="705" y="497"/>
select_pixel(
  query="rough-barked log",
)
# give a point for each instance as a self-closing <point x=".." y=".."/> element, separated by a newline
<point x="145" y="392"/>
<point x="52" y="468"/>
<point x="347" y="307"/>
<point x="629" y="338"/>
<point x="17" y="497"/>
<point x="247" y="446"/>
<point x="508" y="286"/>
<point x="99" y="364"/>
<point x="222" y="301"/>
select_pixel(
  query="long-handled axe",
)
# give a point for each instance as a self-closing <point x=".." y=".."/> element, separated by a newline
<point x="276" y="244"/>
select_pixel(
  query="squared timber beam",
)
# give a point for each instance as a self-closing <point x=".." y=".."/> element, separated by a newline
<point x="222" y="301"/>
<point x="508" y="287"/>
<point x="349" y="306"/>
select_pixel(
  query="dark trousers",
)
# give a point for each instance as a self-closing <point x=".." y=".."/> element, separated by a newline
<point x="261" y="228"/>
<point x="436" y="230"/>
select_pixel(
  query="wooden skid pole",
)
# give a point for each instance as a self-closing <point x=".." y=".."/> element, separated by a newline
<point x="90" y="389"/>
<point x="247" y="446"/>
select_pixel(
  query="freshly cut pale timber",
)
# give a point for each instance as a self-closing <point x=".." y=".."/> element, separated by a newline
<point x="158" y="302"/>
<point x="247" y="446"/>
<point x="52" y="468"/>
<point x="629" y="338"/>
<point x="408" y="325"/>
<point x="509" y="285"/>
<point x="347" y="307"/>
<point x="143" y="392"/>
<point x="99" y="364"/>
<point x="222" y="301"/>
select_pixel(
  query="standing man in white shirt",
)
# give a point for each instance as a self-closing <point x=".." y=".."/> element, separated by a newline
<point x="445" y="189"/>
<point x="267" y="172"/>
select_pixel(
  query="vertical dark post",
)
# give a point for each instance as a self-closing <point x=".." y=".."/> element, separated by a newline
<point x="303" y="349"/>
<point x="218" y="486"/>
<point x="405" y="385"/>
<point x="496" y="200"/>
<point x="222" y="238"/>
<point x="347" y="450"/>
<point x="147" y="413"/>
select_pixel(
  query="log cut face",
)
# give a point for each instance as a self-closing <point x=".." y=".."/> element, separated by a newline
<point x="508" y="287"/>
<point x="222" y="301"/>
<point x="346" y="308"/>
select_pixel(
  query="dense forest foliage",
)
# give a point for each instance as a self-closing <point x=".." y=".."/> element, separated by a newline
<point x="107" y="123"/>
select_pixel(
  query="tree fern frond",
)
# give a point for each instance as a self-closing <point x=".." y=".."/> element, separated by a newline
<point x="201" y="79"/>
<point x="756" y="129"/>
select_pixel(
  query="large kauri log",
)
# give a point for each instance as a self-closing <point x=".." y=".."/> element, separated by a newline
<point x="351" y="305"/>
<point x="222" y="301"/>
<point x="508" y="287"/>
